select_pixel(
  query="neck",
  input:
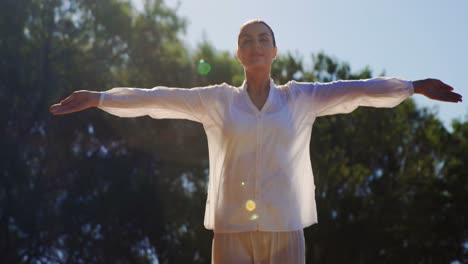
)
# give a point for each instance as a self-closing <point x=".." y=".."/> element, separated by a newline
<point x="258" y="82"/>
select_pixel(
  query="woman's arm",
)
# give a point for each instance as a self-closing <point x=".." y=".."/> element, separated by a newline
<point x="344" y="96"/>
<point x="436" y="90"/>
<point x="341" y="97"/>
<point x="157" y="102"/>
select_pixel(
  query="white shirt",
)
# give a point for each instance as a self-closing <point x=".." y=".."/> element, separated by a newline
<point x="260" y="175"/>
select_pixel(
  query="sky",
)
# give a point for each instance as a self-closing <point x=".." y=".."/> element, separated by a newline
<point x="409" y="39"/>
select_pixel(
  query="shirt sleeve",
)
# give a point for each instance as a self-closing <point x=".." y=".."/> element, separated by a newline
<point x="158" y="102"/>
<point x="340" y="97"/>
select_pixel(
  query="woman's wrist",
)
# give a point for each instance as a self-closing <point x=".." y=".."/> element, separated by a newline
<point x="418" y="87"/>
<point x="95" y="98"/>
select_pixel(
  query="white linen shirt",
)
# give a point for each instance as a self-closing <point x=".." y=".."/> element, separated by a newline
<point x="260" y="175"/>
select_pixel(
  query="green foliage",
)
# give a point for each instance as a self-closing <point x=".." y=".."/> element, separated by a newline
<point x="225" y="67"/>
<point x="92" y="188"/>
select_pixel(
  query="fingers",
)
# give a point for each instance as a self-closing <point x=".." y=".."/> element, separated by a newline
<point x="67" y="100"/>
<point x="55" y="109"/>
<point x="445" y="86"/>
<point x="66" y="108"/>
<point x="60" y="109"/>
<point x="457" y="97"/>
<point x="441" y="91"/>
<point x="450" y="97"/>
<point x="77" y="101"/>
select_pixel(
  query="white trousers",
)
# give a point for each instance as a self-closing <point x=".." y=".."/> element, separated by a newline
<point x="259" y="247"/>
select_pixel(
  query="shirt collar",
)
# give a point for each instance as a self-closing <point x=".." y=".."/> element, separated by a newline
<point x="271" y="95"/>
<point x="273" y="87"/>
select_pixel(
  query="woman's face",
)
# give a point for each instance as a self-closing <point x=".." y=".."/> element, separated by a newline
<point x="255" y="47"/>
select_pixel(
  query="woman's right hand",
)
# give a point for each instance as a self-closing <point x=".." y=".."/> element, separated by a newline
<point x="77" y="101"/>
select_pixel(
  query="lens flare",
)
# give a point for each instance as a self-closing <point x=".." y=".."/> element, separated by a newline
<point x="250" y="205"/>
<point x="254" y="217"/>
<point x="203" y="67"/>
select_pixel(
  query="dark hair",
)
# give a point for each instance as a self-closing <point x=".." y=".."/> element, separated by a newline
<point x="257" y="21"/>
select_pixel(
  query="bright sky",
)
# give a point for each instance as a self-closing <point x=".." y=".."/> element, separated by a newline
<point x="410" y="39"/>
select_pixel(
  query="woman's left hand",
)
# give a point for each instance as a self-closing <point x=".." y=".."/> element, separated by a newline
<point x="436" y="90"/>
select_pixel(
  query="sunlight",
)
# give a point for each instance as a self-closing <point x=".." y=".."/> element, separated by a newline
<point x="203" y="67"/>
<point x="250" y="205"/>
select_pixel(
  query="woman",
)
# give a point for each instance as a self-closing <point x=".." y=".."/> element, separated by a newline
<point x="261" y="186"/>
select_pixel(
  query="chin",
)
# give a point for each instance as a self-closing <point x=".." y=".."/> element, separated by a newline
<point x="257" y="66"/>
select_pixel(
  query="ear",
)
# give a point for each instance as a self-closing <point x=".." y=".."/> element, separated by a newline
<point x="238" y="55"/>
<point x="275" y="52"/>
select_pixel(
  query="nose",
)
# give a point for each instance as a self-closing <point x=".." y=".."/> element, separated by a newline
<point x="257" y="44"/>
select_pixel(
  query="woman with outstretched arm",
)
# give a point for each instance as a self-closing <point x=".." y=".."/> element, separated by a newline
<point x="261" y="186"/>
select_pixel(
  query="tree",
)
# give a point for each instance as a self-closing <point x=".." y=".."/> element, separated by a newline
<point x="94" y="188"/>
